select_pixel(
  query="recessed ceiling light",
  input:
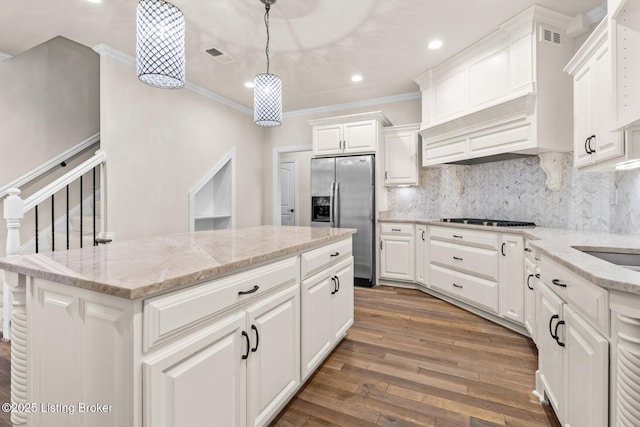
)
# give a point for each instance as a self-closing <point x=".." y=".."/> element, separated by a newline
<point x="248" y="85"/>
<point x="356" y="78"/>
<point x="94" y="1"/>
<point x="435" y="44"/>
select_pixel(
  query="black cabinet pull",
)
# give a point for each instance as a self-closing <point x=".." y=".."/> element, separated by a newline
<point x="333" y="290"/>
<point x="423" y="235"/>
<point x="557" y="282"/>
<point x="502" y="249"/>
<point x="335" y="254"/>
<point x="555" y="316"/>
<point x="537" y="275"/>
<point x="457" y="258"/>
<point x="338" y="288"/>
<point x="396" y="229"/>
<point x="557" y="337"/>
<point x="527" y="249"/>
<point x="586" y="145"/>
<point x="255" y="288"/>
<point x="246" y="337"/>
<point x="591" y="150"/>
<point x="457" y="236"/>
<point x="457" y="286"/>
<point x="528" y="279"/>
<point x="254" y="349"/>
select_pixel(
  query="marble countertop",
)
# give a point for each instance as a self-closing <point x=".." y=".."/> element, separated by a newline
<point x="560" y="246"/>
<point x="143" y="267"/>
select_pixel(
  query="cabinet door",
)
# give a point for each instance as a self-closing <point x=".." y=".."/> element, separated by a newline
<point x="511" y="268"/>
<point x="422" y="251"/>
<point x="401" y="158"/>
<point x="361" y="136"/>
<point x="198" y="377"/>
<point x="397" y="258"/>
<point x="530" y="281"/>
<point x="586" y="373"/>
<point x="327" y="139"/>
<point x="342" y="301"/>
<point x="316" y="328"/>
<point x="274" y="359"/>
<point x="607" y="144"/>
<point x="582" y="115"/>
<point x="548" y="314"/>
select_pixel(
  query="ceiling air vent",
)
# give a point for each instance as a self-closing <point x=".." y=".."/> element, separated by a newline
<point x="220" y="56"/>
<point x="550" y="36"/>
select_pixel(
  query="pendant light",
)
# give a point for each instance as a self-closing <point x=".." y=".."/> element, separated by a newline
<point x="160" y="44"/>
<point x="267" y="89"/>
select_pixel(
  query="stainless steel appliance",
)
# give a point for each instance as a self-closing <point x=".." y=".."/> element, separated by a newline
<point x="489" y="222"/>
<point x="342" y="195"/>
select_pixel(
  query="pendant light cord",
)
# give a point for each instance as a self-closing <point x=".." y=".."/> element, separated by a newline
<point x="266" y="23"/>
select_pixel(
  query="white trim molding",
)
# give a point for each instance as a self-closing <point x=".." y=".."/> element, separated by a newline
<point x="50" y="164"/>
<point x="356" y="104"/>
<point x="108" y="51"/>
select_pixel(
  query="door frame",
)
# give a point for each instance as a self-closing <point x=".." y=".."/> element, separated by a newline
<point x="275" y="177"/>
<point x="296" y="219"/>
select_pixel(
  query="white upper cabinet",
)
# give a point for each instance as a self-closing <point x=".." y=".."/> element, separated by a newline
<point x="624" y="27"/>
<point x="593" y="104"/>
<point x="401" y="155"/>
<point x="353" y="134"/>
<point x="501" y="94"/>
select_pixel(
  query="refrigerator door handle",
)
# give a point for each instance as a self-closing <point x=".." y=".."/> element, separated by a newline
<point x="336" y="203"/>
<point x="331" y="203"/>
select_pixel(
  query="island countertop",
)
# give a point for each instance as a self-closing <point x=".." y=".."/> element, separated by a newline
<point x="146" y="266"/>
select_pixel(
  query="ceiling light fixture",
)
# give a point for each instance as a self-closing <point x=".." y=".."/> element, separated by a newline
<point x="356" y="78"/>
<point x="94" y="1"/>
<point x="267" y="91"/>
<point x="160" y="44"/>
<point x="435" y="44"/>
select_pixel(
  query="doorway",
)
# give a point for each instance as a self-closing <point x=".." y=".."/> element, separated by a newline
<point x="288" y="192"/>
<point x="301" y="155"/>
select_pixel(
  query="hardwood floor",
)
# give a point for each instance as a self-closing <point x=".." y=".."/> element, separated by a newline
<point x="410" y="360"/>
<point x="414" y="360"/>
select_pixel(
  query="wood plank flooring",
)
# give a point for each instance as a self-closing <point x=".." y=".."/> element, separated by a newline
<point x="414" y="360"/>
<point x="410" y="360"/>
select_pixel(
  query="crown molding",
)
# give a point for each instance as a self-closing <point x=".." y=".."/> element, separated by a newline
<point x="118" y="55"/>
<point x="356" y="104"/>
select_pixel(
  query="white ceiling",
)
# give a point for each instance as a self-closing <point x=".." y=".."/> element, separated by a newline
<point x="316" y="45"/>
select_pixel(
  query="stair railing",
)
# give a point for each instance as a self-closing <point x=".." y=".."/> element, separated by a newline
<point x="15" y="309"/>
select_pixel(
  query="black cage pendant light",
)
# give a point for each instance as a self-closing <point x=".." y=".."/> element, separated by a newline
<point x="160" y="44"/>
<point x="267" y="89"/>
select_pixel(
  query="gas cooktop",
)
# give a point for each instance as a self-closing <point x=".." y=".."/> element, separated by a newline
<point x="489" y="222"/>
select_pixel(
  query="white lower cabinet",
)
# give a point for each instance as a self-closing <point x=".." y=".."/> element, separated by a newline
<point x="422" y="255"/>
<point x="206" y="375"/>
<point x="511" y="274"/>
<point x="241" y="370"/>
<point x="397" y="252"/>
<point x="530" y="283"/>
<point x="573" y="358"/>
<point x="327" y="313"/>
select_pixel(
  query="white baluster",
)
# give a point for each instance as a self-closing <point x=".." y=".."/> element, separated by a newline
<point x="13" y="214"/>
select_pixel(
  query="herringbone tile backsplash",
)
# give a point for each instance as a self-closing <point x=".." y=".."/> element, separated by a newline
<point x="516" y="190"/>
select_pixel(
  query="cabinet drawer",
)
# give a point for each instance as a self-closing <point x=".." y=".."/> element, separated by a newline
<point x="396" y="229"/>
<point x="476" y="261"/>
<point x="529" y="252"/>
<point x="590" y="300"/>
<point x="464" y="236"/>
<point x="474" y="290"/>
<point x="321" y="258"/>
<point x="166" y="315"/>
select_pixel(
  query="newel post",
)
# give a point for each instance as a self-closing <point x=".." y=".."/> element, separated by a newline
<point x="13" y="214"/>
<point x="15" y="313"/>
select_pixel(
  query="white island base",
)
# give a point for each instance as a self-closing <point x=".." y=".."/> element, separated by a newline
<point x="227" y="351"/>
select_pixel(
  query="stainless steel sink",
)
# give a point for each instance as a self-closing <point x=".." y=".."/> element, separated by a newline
<point x="626" y="260"/>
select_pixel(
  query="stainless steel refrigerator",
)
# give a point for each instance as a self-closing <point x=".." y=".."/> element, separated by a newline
<point x="343" y="195"/>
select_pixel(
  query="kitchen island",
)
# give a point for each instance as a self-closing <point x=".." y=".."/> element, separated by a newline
<point x="174" y="330"/>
